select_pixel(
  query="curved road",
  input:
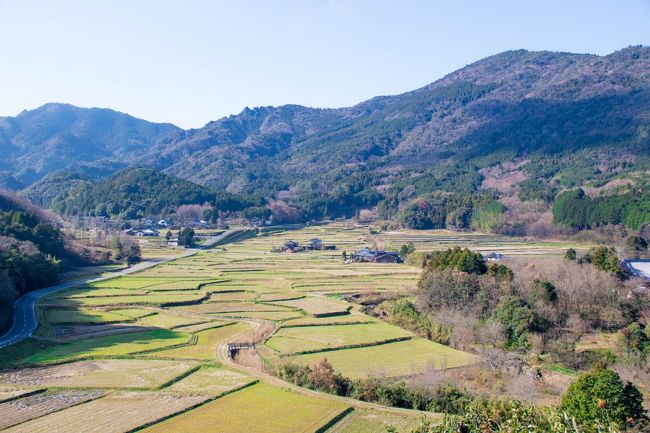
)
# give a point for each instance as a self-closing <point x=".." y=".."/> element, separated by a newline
<point x="25" y="322"/>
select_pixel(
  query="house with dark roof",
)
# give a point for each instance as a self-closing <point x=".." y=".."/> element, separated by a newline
<point x="376" y="256"/>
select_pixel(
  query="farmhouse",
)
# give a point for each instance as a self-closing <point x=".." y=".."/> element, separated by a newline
<point x="147" y="232"/>
<point x="315" y="244"/>
<point x="376" y="256"/>
<point x="292" y="247"/>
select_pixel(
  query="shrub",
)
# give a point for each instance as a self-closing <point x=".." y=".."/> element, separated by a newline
<point x="517" y="317"/>
<point x="544" y="291"/>
<point x="462" y="260"/>
<point x="570" y="254"/>
<point x="186" y="237"/>
<point x="600" y="396"/>
<point x="500" y="272"/>
<point x="403" y="314"/>
<point x="605" y="259"/>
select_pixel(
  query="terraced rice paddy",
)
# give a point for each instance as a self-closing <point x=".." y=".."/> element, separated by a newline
<point x="331" y="320"/>
<point x="166" y="320"/>
<point x="19" y="411"/>
<point x="317" y="306"/>
<point x="185" y="309"/>
<point x="154" y="299"/>
<point x="211" y="381"/>
<point x="117" y="412"/>
<point x="403" y="358"/>
<point x="268" y="409"/>
<point x="312" y="338"/>
<point x="206" y="342"/>
<point x="370" y="421"/>
<point x="101" y="373"/>
<point x="81" y="315"/>
<point x="109" y="346"/>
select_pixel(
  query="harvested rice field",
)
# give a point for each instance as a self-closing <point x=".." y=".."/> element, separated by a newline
<point x="12" y="392"/>
<point x="161" y="371"/>
<point x="257" y="409"/>
<point x="372" y="421"/>
<point x="211" y="381"/>
<point x="317" y="306"/>
<point x="114" y="413"/>
<point x="311" y="338"/>
<point x="100" y="373"/>
<point x="206" y="342"/>
<point x="402" y="358"/>
<point x="19" y="411"/>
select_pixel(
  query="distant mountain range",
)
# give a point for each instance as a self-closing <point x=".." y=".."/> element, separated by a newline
<point x="514" y="106"/>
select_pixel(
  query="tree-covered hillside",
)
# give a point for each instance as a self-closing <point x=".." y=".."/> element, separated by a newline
<point x="57" y="136"/>
<point x="516" y="128"/>
<point x="137" y="193"/>
<point x="32" y="251"/>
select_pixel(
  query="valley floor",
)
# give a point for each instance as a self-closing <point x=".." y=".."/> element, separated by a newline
<point x="149" y="351"/>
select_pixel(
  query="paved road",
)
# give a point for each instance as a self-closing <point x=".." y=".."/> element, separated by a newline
<point x="25" y="323"/>
<point x="214" y="239"/>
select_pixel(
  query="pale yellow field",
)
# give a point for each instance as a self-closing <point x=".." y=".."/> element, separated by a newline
<point x="207" y="340"/>
<point x="211" y="381"/>
<point x="115" y="413"/>
<point x="101" y="373"/>
<point x="257" y="409"/>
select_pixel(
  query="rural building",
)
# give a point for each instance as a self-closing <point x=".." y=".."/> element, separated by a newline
<point x="291" y="247"/>
<point x="376" y="256"/>
<point x="147" y="232"/>
<point x="315" y="244"/>
<point x="493" y="257"/>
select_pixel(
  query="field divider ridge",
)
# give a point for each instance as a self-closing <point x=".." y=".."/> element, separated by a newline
<point x="194" y="406"/>
<point x="332" y="422"/>
<point x="348" y="346"/>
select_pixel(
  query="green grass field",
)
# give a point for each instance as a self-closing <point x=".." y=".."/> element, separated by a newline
<point x="257" y="409"/>
<point x="152" y="299"/>
<point x="122" y="344"/>
<point x="59" y="316"/>
<point x="307" y="338"/>
<point x="207" y="340"/>
<point x="402" y="358"/>
<point x="372" y="421"/>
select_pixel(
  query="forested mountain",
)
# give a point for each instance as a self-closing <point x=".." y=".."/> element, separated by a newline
<point x="32" y="250"/>
<point x="517" y="127"/>
<point x="138" y="193"/>
<point x="57" y="136"/>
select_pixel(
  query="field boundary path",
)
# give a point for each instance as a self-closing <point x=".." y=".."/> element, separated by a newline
<point x="223" y="355"/>
<point x="24" y="320"/>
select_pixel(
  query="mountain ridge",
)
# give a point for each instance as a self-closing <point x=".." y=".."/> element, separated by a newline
<point x="510" y="106"/>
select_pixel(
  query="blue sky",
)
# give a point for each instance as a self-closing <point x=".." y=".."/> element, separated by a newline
<point x="188" y="62"/>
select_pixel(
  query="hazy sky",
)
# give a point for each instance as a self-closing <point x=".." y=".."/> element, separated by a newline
<point x="188" y="62"/>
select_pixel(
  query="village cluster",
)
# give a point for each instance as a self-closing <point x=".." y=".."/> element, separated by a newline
<point x="363" y="255"/>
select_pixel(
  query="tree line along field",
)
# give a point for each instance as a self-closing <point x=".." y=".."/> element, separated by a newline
<point x="144" y="348"/>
